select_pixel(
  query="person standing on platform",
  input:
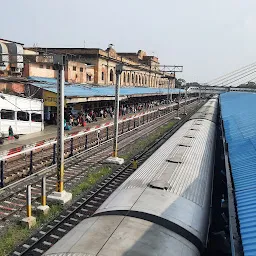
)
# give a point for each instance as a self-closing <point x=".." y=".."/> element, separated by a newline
<point x="10" y="137"/>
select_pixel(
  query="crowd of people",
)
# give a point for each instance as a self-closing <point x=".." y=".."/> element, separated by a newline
<point x="88" y="116"/>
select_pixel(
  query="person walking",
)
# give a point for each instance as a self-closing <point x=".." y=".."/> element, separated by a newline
<point x="10" y="137"/>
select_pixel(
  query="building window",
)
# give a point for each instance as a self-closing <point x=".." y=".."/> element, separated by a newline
<point x="124" y="78"/>
<point x="146" y="81"/>
<point x="22" y="116"/>
<point x="81" y="70"/>
<point x="41" y="66"/>
<point x="132" y="78"/>
<point x="48" y="67"/>
<point x="74" y="68"/>
<point x="102" y="75"/>
<point x="136" y="79"/>
<point x="36" y="117"/>
<point x="128" y="78"/>
<point x="111" y="76"/>
<point x="7" y="114"/>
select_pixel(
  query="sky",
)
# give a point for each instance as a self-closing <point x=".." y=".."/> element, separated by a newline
<point x="208" y="37"/>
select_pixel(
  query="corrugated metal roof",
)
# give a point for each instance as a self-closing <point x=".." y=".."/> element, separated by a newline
<point x="239" y="117"/>
<point x="87" y="90"/>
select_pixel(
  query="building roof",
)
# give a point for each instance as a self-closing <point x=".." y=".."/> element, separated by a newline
<point x="9" y="41"/>
<point x="239" y="117"/>
<point x="88" y="90"/>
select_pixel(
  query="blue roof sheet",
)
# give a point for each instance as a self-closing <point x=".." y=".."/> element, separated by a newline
<point x="239" y="117"/>
<point x="86" y="90"/>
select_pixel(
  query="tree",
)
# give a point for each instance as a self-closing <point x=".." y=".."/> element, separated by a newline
<point x="248" y="85"/>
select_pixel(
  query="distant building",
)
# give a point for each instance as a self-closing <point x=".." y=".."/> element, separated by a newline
<point x="41" y="65"/>
<point x="11" y="58"/>
<point x="139" y="68"/>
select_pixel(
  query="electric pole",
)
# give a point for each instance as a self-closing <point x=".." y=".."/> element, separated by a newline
<point x="60" y="195"/>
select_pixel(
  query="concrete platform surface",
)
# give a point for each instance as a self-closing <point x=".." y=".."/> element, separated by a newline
<point x="50" y="132"/>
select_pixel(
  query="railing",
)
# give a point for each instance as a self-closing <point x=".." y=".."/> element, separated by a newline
<point x="29" y="161"/>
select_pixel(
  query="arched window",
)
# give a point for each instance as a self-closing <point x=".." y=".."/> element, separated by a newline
<point x="139" y="80"/>
<point x="111" y="76"/>
<point x="128" y="78"/>
<point x="136" y="79"/>
<point x="132" y="79"/>
<point x="142" y="80"/>
<point x="124" y="78"/>
<point x="102" y="75"/>
<point x="146" y="82"/>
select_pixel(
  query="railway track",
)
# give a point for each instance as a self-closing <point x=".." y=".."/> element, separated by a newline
<point x="36" y="160"/>
<point x="87" y="204"/>
<point x="13" y="197"/>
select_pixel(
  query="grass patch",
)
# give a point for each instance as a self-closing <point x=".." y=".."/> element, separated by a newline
<point x="141" y="144"/>
<point x="16" y="234"/>
<point x="91" y="180"/>
<point x="13" y="236"/>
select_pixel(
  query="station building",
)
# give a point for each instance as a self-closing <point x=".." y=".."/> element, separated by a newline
<point x="90" y="76"/>
<point x="41" y="65"/>
<point x="11" y="58"/>
<point x="140" y="70"/>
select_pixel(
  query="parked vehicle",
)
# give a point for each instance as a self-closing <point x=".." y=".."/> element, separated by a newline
<point x="23" y="114"/>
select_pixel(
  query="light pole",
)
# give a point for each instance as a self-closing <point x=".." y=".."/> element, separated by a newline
<point x="178" y="108"/>
<point x="185" y="105"/>
<point x="199" y="93"/>
<point x="60" y="127"/>
<point x="114" y="159"/>
<point x="168" y="96"/>
<point x="60" y="195"/>
<point x="119" y="70"/>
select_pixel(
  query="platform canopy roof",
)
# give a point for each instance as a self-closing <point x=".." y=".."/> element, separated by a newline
<point x="90" y="90"/>
<point x="239" y="116"/>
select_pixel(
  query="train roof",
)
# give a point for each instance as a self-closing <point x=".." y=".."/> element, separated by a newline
<point x="208" y="111"/>
<point x="118" y="235"/>
<point x="174" y="184"/>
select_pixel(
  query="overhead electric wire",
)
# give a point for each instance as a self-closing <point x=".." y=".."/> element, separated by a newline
<point x="223" y="77"/>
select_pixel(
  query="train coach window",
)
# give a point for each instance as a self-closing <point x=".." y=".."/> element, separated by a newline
<point x="36" y="117"/>
<point x="7" y="114"/>
<point x="22" y="116"/>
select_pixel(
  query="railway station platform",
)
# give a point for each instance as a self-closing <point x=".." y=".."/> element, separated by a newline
<point x="50" y="133"/>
